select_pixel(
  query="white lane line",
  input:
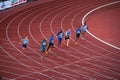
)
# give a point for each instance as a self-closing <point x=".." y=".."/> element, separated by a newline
<point x="64" y="65"/>
<point x="103" y="41"/>
<point x="17" y="61"/>
<point x="45" y="36"/>
<point x="115" y="53"/>
<point x="18" y="30"/>
<point x="104" y="68"/>
<point x="64" y="43"/>
<point x="15" y="74"/>
<point x="15" y="68"/>
<point x="91" y="42"/>
<point x="60" y="49"/>
<point x="62" y="28"/>
<point x="46" y="66"/>
<point x="60" y="66"/>
<point x="21" y="51"/>
<point x="10" y="62"/>
<point x="84" y="17"/>
<point x="54" y="33"/>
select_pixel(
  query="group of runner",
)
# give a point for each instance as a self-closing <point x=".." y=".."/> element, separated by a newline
<point x="45" y="49"/>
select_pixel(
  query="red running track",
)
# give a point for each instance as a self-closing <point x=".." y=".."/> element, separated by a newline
<point x="90" y="59"/>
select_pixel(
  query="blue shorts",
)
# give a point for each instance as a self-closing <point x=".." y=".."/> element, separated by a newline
<point x="51" y="44"/>
<point x="59" y="39"/>
<point x="43" y="48"/>
<point x="24" y="45"/>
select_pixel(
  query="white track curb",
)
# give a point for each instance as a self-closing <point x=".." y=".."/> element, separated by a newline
<point x="84" y="17"/>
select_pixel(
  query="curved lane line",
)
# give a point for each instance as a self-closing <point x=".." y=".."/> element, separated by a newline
<point x="64" y="43"/>
<point x="6" y="51"/>
<point x="93" y="43"/>
<point x="34" y="50"/>
<point x="101" y="66"/>
<point x="84" y="17"/>
<point x="22" y="52"/>
<point x="52" y="21"/>
<point x="46" y="37"/>
<point x="73" y="40"/>
<point x="51" y="70"/>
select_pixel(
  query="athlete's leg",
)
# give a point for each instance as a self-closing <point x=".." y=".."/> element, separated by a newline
<point x="48" y="49"/>
<point x="59" y="41"/>
<point x="68" y="42"/>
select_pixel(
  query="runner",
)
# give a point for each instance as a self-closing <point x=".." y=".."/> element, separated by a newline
<point x="84" y="29"/>
<point x="60" y="36"/>
<point x="78" y="31"/>
<point x="25" y="42"/>
<point x="43" y="47"/>
<point x="51" y="44"/>
<point x="67" y="36"/>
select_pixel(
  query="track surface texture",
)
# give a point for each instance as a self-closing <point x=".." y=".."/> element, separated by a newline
<point x="90" y="59"/>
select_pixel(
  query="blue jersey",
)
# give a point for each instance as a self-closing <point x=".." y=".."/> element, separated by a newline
<point x="25" y="41"/>
<point x="44" y="43"/>
<point x="78" y="31"/>
<point x="84" y="28"/>
<point x="52" y="40"/>
<point x="68" y="33"/>
<point x="60" y="35"/>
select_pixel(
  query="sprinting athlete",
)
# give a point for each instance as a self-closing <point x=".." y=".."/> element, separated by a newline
<point x="60" y="36"/>
<point x="43" y="47"/>
<point x="67" y="36"/>
<point x="25" y="42"/>
<point x="78" y="31"/>
<point x="84" y="29"/>
<point x="51" y="44"/>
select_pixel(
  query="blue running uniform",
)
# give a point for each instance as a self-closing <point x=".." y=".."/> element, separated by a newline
<point x="78" y="31"/>
<point x="68" y="33"/>
<point x="43" y="47"/>
<point x="60" y="36"/>
<point x="52" y="40"/>
<point x="25" y="42"/>
<point x="84" y="28"/>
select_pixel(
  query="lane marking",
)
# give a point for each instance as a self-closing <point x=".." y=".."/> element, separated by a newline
<point x="84" y="17"/>
<point x="61" y="26"/>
